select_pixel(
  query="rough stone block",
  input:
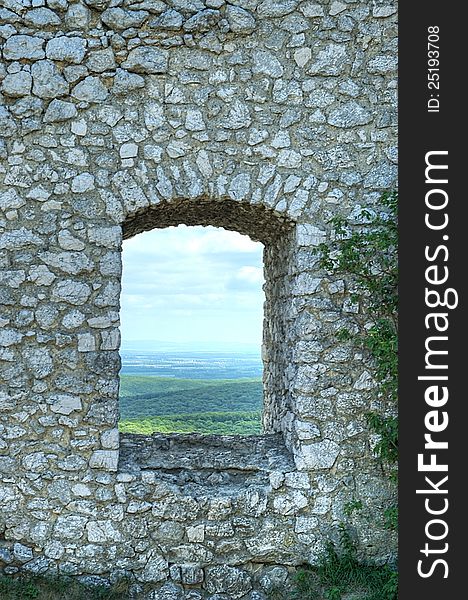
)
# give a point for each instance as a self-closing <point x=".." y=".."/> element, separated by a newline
<point x="106" y="460"/>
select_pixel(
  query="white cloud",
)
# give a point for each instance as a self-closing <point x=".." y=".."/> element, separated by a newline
<point x="192" y="284"/>
<point x="251" y="274"/>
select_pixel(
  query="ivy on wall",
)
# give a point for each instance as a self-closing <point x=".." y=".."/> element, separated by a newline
<point x="367" y="256"/>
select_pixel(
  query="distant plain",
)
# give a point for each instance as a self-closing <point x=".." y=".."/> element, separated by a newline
<point x="178" y="390"/>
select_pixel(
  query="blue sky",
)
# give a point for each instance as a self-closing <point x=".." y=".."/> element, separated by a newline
<point x="192" y="284"/>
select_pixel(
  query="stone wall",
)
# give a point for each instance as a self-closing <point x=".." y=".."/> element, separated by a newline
<point x="118" y="116"/>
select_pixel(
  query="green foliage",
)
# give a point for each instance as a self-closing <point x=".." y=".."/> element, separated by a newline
<point x="340" y="572"/>
<point x="387" y="446"/>
<point x="217" y="423"/>
<point x="58" y="588"/>
<point x="351" y="507"/>
<point x="277" y="592"/>
<point x="168" y="405"/>
<point x="157" y="396"/>
<point x="367" y="256"/>
<point x="391" y="518"/>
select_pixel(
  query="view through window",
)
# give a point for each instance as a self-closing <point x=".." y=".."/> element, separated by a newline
<point x="191" y="322"/>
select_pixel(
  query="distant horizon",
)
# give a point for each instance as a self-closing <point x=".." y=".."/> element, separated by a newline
<point x="193" y="346"/>
<point x="185" y="361"/>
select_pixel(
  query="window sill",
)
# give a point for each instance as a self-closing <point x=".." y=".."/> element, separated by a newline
<point x="206" y="460"/>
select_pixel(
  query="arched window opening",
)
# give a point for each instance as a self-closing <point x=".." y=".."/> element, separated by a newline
<point x="277" y="234"/>
<point x="191" y="322"/>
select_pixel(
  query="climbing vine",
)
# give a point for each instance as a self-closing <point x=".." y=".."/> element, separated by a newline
<point x="367" y="256"/>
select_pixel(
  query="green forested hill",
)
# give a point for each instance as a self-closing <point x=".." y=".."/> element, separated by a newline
<point x="150" y="404"/>
<point x="219" y="423"/>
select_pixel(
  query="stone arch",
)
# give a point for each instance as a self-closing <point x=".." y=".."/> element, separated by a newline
<point x="277" y="234"/>
<point x="259" y="222"/>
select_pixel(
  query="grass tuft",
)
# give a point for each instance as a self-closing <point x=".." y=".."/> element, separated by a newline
<point x="39" y="587"/>
<point x="340" y="572"/>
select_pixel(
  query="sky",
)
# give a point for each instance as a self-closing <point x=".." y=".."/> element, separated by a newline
<point x="192" y="284"/>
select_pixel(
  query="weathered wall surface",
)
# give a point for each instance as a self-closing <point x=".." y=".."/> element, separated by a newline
<point x="116" y="116"/>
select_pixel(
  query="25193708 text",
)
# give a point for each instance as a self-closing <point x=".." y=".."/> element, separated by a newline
<point x="433" y="69"/>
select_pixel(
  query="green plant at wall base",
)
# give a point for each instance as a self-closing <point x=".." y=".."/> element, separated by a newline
<point x="341" y="572"/>
<point x="39" y="587"/>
